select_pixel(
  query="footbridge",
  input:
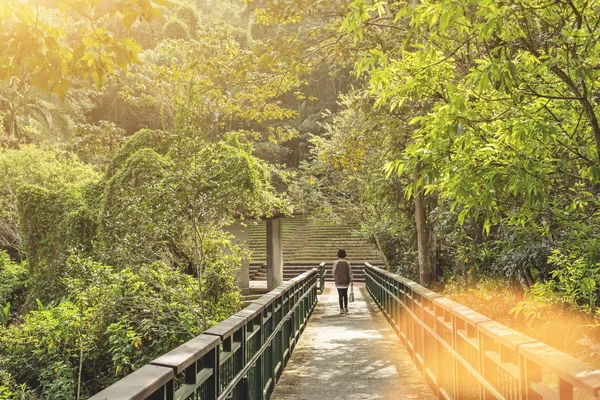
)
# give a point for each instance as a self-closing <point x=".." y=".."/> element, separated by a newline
<point x="399" y="341"/>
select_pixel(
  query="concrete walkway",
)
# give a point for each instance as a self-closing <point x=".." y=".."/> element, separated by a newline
<point x="353" y="356"/>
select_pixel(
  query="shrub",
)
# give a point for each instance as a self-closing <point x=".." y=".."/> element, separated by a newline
<point x="94" y="143"/>
<point x="175" y="29"/>
<point x="112" y="323"/>
<point x="574" y="281"/>
<point x="13" y="279"/>
<point x="49" y="168"/>
<point x="158" y="141"/>
<point x="188" y="15"/>
<point x="138" y="222"/>
<point x="52" y="223"/>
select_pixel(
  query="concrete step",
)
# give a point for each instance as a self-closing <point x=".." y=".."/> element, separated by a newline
<point x="256" y="291"/>
<point x="307" y="241"/>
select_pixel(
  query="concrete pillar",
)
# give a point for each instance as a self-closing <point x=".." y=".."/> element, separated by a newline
<point x="274" y="252"/>
<point x="241" y="238"/>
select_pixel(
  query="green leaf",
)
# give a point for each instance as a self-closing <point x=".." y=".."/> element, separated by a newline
<point x="128" y="20"/>
<point x="40" y="305"/>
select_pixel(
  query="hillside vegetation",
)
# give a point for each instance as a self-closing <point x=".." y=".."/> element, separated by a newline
<point x="460" y="138"/>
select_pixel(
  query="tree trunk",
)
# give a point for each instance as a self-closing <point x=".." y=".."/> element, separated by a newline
<point x="381" y="252"/>
<point x="426" y="240"/>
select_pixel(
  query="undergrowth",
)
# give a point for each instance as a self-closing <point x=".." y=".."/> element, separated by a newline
<point x="567" y="328"/>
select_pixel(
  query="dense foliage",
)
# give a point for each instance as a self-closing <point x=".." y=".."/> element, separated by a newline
<point x="462" y="136"/>
<point x="483" y="117"/>
<point x="115" y="197"/>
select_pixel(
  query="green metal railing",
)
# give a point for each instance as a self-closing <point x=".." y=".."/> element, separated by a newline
<point x="465" y="355"/>
<point x="322" y="277"/>
<point x="240" y="358"/>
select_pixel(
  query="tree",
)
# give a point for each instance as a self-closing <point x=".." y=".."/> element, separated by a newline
<point x="95" y="144"/>
<point x="28" y="112"/>
<point x="506" y="117"/>
<point x="44" y="55"/>
<point x="48" y="167"/>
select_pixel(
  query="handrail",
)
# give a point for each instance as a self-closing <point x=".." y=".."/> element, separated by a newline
<point x="322" y="277"/>
<point x="465" y="355"/>
<point x="240" y="358"/>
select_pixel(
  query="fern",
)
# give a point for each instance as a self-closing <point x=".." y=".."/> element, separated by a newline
<point x="5" y="314"/>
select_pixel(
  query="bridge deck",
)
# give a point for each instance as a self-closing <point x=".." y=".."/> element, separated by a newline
<point x="353" y="356"/>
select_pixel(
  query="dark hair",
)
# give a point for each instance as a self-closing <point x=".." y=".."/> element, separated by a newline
<point x="342" y="253"/>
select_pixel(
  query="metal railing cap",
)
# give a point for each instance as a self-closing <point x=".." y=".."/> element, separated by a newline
<point x="225" y="328"/>
<point x="388" y="273"/>
<point x="446" y="303"/>
<point x="374" y="267"/>
<point x="251" y="311"/>
<point x="282" y="288"/>
<point x="469" y="315"/>
<point x="423" y="291"/>
<point x="183" y="356"/>
<point x="505" y="335"/>
<point x="138" y="385"/>
<point x="577" y="372"/>
<point x="303" y="275"/>
<point x="266" y="300"/>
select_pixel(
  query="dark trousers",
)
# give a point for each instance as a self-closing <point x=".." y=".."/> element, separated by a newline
<point x="343" y="293"/>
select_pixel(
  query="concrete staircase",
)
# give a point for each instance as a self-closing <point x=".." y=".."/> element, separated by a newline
<point x="307" y="243"/>
<point x="258" y="272"/>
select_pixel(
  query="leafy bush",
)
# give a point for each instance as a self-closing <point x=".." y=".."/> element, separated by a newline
<point x="574" y="281"/>
<point x="187" y="14"/>
<point x="138" y="222"/>
<point x="175" y="29"/>
<point x="94" y="143"/>
<point x="13" y="279"/>
<point x="49" y="168"/>
<point x="10" y="390"/>
<point x="52" y="223"/>
<point x="158" y="141"/>
<point x="111" y="323"/>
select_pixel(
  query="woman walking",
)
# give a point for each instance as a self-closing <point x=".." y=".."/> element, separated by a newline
<point x="342" y="275"/>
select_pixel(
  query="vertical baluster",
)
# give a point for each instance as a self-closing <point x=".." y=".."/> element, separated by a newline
<point x="565" y="390"/>
<point x="240" y="360"/>
<point x="211" y="360"/>
<point x="530" y="373"/>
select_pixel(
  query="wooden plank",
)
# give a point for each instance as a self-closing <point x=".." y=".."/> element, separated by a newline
<point x="423" y="291"/>
<point x="187" y="389"/>
<point x="511" y="368"/>
<point x="226" y="355"/>
<point x="544" y="391"/>
<point x="446" y="303"/>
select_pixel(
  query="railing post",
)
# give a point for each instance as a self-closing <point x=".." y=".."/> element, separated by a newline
<point x="322" y="277"/>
